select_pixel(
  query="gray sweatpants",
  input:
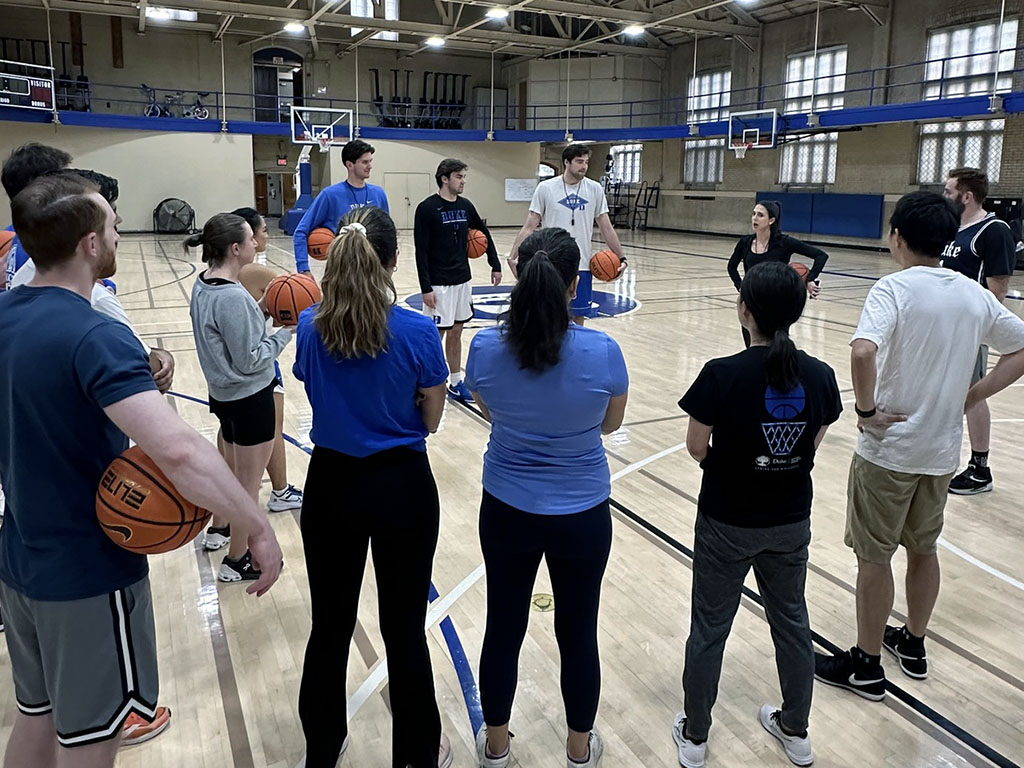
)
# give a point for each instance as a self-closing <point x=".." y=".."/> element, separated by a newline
<point x="723" y="554"/>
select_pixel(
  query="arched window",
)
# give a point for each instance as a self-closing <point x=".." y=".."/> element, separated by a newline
<point x="546" y="171"/>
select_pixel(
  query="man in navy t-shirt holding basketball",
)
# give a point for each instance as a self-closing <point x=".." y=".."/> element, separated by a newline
<point x="983" y="250"/>
<point x="74" y="386"/>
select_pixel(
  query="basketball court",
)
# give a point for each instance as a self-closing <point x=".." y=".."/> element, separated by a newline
<point x="230" y="665"/>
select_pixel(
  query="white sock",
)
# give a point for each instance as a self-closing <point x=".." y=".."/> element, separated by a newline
<point x="456" y="378"/>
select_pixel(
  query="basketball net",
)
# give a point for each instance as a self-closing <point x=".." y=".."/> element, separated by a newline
<point x="741" y="150"/>
<point x="325" y="142"/>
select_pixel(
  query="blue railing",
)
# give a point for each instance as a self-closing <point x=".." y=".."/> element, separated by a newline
<point x="899" y="83"/>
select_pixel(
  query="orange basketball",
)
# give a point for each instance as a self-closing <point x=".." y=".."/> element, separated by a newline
<point x="288" y="295"/>
<point x="800" y="269"/>
<point x="6" y="238"/>
<point x="255" y="278"/>
<point x="141" y="510"/>
<point x="476" y="244"/>
<point x="605" y="266"/>
<point x="318" y="242"/>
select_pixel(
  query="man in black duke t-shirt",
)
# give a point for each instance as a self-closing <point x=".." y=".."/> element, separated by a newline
<point x="984" y="251"/>
<point x="441" y="233"/>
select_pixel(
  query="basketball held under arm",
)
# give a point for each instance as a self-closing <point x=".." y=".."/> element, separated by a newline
<point x="192" y="463"/>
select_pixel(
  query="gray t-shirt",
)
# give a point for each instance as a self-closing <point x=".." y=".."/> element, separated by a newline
<point x="235" y="352"/>
<point x="573" y="207"/>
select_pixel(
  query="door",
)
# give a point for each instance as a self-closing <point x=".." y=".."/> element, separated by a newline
<point x="265" y="94"/>
<point x="405" y="191"/>
<point x="260" y="185"/>
<point x="289" y="190"/>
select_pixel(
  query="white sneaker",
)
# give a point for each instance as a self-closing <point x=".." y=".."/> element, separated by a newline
<point x="485" y="760"/>
<point x="798" y="749"/>
<point x="596" y="745"/>
<point x="445" y="756"/>
<point x="282" y="501"/>
<point x="216" y="538"/>
<point x="690" y="755"/>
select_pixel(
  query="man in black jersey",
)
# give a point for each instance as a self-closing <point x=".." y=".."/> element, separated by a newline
<point x="441" y="232"/>
<point x="984" y="251"/>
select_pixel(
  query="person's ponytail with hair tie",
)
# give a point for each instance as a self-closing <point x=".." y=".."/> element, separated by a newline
<point x="194" y="241"/>
<point x="775" y="296"/>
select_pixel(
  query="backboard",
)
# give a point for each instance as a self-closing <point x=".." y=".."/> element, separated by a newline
<point x="310" y="124"/>
<point x="754" y="129"/>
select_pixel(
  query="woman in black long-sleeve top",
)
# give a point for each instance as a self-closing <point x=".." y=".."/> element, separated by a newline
<point x="767" y="243"/>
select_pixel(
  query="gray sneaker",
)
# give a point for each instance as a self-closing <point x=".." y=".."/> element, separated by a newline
<point x="690" y="754"/>
<point x="798" y="748"/>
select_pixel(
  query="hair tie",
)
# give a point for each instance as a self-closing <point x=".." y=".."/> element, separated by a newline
<point x="355" y="226"/>
<point x="541" y="252"/>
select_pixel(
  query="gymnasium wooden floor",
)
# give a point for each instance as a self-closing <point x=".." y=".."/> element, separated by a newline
<point x="230" y="664"/>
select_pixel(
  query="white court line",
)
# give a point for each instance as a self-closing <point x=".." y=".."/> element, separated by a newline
<point x="983" y="566"/>
<point x="438" y="609"/>
<point x="644" y="462"/>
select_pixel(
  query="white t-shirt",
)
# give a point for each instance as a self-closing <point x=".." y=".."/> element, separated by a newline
<point x="928" y="323"/>
<point x="573" y="207"/>
<point x="102" y="300"/>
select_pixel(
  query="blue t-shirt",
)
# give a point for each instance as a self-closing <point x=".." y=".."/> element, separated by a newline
<point x="16" y="257"/>
<point x="366" y="405"/>
<point x="328" y="208"/>
<point x="545" y="454"/>
<point x="61" y="363"/>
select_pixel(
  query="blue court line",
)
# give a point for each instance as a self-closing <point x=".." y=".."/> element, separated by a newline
<point x="460" y="660"/>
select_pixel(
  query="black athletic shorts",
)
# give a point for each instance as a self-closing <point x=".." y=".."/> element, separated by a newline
<point x="249" y="421"/>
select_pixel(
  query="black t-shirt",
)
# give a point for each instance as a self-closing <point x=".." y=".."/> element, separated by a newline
<point x="983" y="249"/>
<point x="757" y="473"/>
<point x="441" y="234"/>
<point x="779" y="249"/>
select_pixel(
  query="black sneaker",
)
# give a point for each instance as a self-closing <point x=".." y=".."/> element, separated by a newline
<point x="908" y="650"/>
<point x="841" y="671"/>
<point x="216" y="538"/>
<point x="241" y="569"/>
<point x="972" y="480"/>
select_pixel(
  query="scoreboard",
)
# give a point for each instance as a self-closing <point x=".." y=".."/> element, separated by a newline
<point x="25" y="92"/>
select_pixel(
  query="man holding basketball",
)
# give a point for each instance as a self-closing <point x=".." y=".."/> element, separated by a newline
<point x="74" y="387"/>
<point x="338" y="199"/>
<point x="442" y="226"/>
<point x="573" y="202"/>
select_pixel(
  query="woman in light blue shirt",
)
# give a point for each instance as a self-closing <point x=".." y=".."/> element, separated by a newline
<point x="550" y="389"/>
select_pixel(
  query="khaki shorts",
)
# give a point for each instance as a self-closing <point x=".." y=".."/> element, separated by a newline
<point x="885" y="509"/>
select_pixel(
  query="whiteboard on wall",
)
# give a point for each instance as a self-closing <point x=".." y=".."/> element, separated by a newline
<point x="519" y="190"/>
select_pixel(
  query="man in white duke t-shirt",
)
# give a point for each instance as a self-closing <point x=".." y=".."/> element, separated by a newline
<point x="572" y="202"/>
<point x="912" y="358"/>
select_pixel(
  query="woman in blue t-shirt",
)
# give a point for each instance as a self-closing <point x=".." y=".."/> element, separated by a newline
<point x="550" y="389"/>
<point x="767" y="410"/>
<point x="375" y="375"/>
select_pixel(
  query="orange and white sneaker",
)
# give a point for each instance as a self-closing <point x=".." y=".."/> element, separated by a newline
<point x="136" y="730"/>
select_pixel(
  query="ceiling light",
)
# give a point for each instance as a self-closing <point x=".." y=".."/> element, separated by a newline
<point x="434" y="42"/>
<point x="497" y="13"/>
<point x="294" y="27"/>
<point x="633" y="30"/>
<point x="169" y="14"/>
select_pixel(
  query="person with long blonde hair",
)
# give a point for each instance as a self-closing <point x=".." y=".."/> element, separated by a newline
<point x="375" y="375"/>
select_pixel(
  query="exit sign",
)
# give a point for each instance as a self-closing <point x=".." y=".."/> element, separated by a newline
<point x="282" y="161"/>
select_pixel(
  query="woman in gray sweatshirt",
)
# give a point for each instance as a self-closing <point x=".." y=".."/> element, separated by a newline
<point x="237" y="357"/>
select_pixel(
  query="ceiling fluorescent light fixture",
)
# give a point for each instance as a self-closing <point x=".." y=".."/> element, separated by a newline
<point x="633" y="30"/>
<point x="497" y="13"/>
<point x="294" y="27"/>
<point x="169" y="14"/>
<point x="435" y="41"/>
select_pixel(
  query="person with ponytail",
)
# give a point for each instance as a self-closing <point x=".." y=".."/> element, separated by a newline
<point x="375" y="375"/>
<point x="756" y="420"/>
<point x="550" y="389"/>
<point x="768" y="243"/>
<point x="237" y="357"/>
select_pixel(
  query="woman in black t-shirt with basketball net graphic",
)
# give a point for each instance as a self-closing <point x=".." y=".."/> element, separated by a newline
<point x="756" y="420"/>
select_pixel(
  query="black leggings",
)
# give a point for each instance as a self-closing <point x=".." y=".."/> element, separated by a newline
<point x="576" y="549"/>
<point x="387" y="502"/>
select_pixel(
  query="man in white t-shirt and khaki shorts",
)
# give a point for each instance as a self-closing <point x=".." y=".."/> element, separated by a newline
<point x="573" y="202"/>
<point x="912" y="359"/>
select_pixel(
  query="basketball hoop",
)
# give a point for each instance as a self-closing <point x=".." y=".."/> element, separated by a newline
<point x="324" y="141"/>
<point x="741" y="150"/>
